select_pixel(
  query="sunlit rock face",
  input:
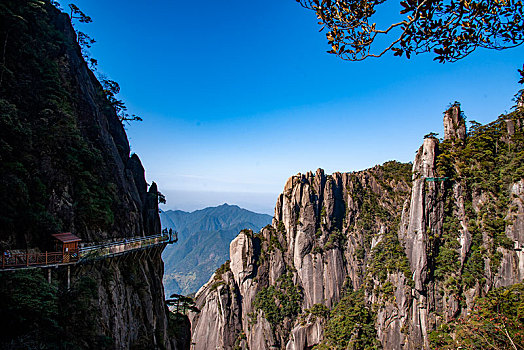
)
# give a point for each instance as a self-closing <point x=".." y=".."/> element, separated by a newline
<point x="331" y="234"/>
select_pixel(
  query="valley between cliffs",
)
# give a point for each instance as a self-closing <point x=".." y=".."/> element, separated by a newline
<point x="387" y="257"/>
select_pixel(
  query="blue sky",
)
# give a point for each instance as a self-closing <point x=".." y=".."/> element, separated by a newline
<point x="237" y="96"/>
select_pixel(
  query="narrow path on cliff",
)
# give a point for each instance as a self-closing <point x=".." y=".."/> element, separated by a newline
<point x="16" y="261"/>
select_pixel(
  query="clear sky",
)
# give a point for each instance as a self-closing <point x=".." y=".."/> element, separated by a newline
<point x="237" y="96"/>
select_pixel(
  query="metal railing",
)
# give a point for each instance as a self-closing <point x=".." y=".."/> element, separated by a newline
<point x="101" y="250"/>
<point x="22" y="260"/>
<point x="10" y="260"/>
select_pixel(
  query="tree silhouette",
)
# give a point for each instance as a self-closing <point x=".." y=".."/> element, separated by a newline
<point x="451" y="29"/>
<point x="84" y="40"/>
<point x="111" y="88"/>
<point x="182" y="303"/>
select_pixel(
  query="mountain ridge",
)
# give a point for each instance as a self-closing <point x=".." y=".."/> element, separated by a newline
<point x="204" y="237"/>
<point x="398" y="256"/>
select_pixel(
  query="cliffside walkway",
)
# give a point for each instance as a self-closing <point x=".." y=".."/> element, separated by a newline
<point x="26" y="260"/>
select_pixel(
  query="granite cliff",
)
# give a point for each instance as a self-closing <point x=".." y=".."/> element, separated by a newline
<point x="66" y="167"/>
<point x="384" y="257"/>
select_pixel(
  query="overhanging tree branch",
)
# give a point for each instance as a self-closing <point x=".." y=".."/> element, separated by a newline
<point x="451" y="29"/>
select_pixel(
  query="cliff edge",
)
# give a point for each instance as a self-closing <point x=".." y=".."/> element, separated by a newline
<point x="66" y="167"/>
<point x="386" y="257"/>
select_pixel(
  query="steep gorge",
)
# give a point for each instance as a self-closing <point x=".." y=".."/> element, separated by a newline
<point x="405" y="248"/>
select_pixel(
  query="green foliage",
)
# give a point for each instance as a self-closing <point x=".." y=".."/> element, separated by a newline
<point x="274" y="242"/>
<point x="279" y="301"/>
<point x="370" y="213"/>
<point x="376" y="211"/>
<point x="182" y="304"/>
<point x="519" y="96"/>
<point x="225" y="267"/>
<point x="351" y="325"/>
<point x="45" y="147"/>
<point x="447" y="262"/>
<point x="216" y="284"/>
<point x="36" y="314"/>
<point x="29" y="305"/>
<point x="241" y="336"/>
<point x="393" y="170"/>
<point x="111" y="89"/>
<point x="496" y="322"/>
<point x="431" y="135"/>
<point x="281" y="227"/>
<point x="449" y="29"/>
<point x="317" y="250"/>
<point x="79" y="314"/>
<point x="487" y="164"/>
<point x="388" y="257"/>
<point x="318" y="310"/>
<point x="336" y="239"/>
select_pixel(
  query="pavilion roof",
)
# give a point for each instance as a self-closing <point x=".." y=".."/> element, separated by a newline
<point x="67" y="237"/>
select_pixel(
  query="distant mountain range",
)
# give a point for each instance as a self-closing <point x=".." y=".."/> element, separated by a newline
<point x="203" y="243"/>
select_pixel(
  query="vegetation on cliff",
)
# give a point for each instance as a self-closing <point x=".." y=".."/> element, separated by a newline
<point x="422" y="249"/>
<point x="486" y="164"/>
<point x="41" y="135"/>
<point x="66" y="166"/>
<point x="279" y="301"/>
<point x="350" y="325"/>
<point x="38" y="315"/>
<point x="61" y="142"/>
<point x="496" y="322"/>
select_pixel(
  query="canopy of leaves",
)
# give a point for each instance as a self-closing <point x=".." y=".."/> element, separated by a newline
<point x="451" y="29"/>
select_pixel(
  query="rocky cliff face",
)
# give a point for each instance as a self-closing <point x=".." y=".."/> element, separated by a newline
<point x="66" y="166"/>
<point x="406" y="247"/>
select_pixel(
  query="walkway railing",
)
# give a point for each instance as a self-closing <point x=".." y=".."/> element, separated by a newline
<point x="31" y="259"/>
<point x="113" y="248"/>
<point x="22" y="260"/>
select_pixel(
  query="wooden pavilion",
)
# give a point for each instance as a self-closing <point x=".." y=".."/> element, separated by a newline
<point x="67" y="243"/>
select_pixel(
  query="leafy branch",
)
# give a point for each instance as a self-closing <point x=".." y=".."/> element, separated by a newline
<point x="450" y="29"/>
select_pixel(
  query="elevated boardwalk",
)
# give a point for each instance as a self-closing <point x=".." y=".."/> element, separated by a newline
<point x="16" y="261"/>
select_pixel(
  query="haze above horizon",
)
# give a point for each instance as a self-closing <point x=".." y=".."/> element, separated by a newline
<point x="238" y="96"/>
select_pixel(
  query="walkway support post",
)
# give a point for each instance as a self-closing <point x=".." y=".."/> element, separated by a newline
<point x="68" y="277"/>
<point x="49" y="276"/>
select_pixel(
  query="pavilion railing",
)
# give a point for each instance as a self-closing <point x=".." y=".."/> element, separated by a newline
<point x="10" y="260"/>
<point x="20" y="260"/>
